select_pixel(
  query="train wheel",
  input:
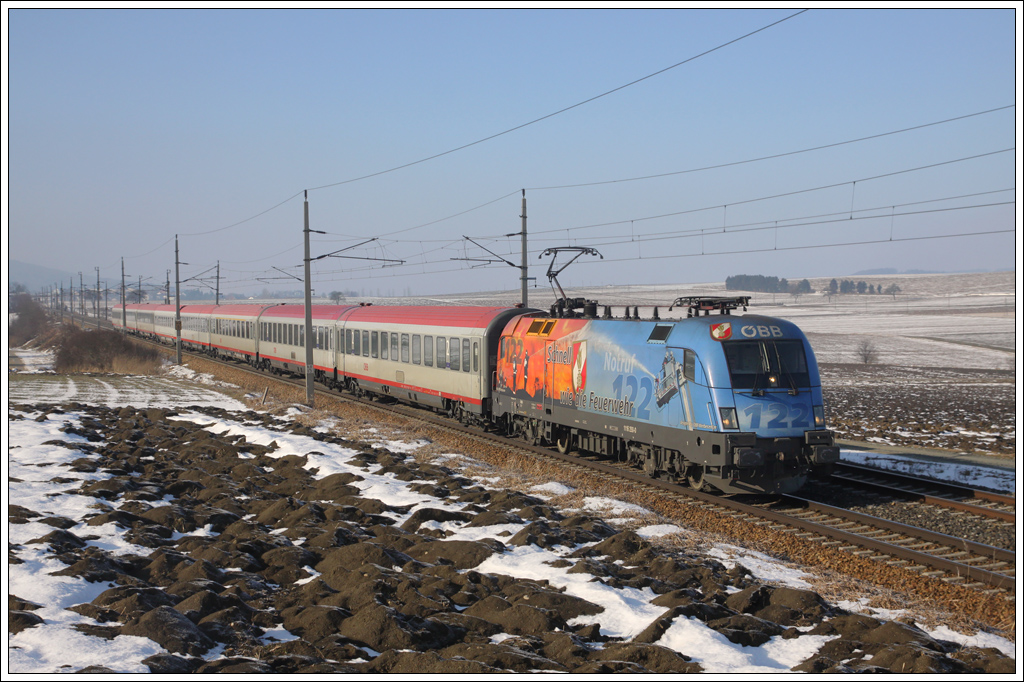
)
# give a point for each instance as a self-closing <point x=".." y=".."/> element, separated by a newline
<point x="531" y="431"/>
<point x="695" y="477"/>
<point x="563" y="441"/>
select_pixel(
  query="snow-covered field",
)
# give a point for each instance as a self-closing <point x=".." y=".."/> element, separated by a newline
<point x="37" y="466"/>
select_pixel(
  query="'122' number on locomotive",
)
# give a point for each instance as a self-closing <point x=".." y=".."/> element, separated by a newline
<point x="777" y="414"/>
<point x="634" y="386"/>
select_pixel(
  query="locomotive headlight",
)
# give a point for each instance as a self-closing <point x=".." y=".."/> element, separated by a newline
<point x="819" y="416"/>
<point x="728" y="417"/>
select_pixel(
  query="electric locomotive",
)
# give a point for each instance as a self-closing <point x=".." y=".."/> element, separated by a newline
<point x="731" y="403"/>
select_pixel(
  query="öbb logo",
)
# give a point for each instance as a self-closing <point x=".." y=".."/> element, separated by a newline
<point x="751" y="331"/>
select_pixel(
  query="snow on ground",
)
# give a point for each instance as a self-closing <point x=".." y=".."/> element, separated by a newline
<point x="969" y="475"/>
<point x="41" y="480"/>
<point x="33" y="360"/>
<point x="180" y="387"/>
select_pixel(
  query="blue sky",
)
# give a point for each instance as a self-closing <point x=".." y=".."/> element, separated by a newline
<point x="128" y="127"/>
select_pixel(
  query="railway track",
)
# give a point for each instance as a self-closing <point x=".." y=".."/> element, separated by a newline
<point x="953" y="560"/>
<point x="959" y="498"/>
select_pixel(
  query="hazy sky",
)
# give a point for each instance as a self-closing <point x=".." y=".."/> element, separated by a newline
<point x="128" y="127"/>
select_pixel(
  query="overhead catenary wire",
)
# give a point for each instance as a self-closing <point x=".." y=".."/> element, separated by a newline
<point x="565" y="109"/>
<point x="771" y="156"/>
<point x="499" y="134"/>
<point x="504" y="196"/>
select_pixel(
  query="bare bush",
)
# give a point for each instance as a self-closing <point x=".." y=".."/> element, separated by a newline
<point x="30" y="320"/>
<point x="867" y="352"/>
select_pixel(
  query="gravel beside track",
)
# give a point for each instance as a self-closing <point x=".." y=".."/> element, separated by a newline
<point x="938" y="519"/>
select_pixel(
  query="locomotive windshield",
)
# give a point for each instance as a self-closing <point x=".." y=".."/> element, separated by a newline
<point x="765" y="364"/>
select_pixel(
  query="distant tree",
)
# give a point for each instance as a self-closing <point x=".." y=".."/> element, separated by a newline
<point x="862" y="287"/>
<point x="833" y="287"/>
<point x="893" y="289"/>
<point x="867" y="352"/>
<point x="804" y="287"/>
<point x="337" y="297"/>
<point x="871" y="288"/>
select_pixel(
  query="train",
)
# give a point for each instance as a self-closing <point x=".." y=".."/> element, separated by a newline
<point x="727" y="403"/>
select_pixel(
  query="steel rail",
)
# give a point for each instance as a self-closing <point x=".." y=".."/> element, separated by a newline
<point x="918" y="489"/>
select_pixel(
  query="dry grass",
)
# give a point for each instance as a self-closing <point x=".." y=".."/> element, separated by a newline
<point x="99" y="350"/>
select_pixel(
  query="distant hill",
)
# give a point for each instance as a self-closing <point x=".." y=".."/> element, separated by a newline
<point x="894" y="271"/>
<point x="36" y="277"/>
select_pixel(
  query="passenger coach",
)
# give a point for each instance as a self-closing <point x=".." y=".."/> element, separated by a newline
<point x="441" y="357"/>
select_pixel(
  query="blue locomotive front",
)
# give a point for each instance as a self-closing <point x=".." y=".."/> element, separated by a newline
<point x="761" y="380"/>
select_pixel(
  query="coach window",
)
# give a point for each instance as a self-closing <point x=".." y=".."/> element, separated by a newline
<point x="394" y="346"/>
<point x="366" y="344"/>
<point x="453" y="354"/>
<point x="476" y="357"/>
<point x="428" y="351"/>
<point x="442" y="353"/>
<point x="301" y="335"/>
<point x="465" y="355"/>
<point x="405" y="348"/>
<point x="415" y="349"/>
<point x="373" y="344"/>
<point x="383" y="345"/>
<point x="348" y="342"/>
<point x="356" y="350"/>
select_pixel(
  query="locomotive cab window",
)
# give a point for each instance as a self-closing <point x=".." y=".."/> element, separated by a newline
<point x="761" y="364"/>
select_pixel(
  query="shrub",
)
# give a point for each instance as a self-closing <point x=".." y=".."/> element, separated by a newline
<point x="100" y="350"/>
<point x="30" y="320"/>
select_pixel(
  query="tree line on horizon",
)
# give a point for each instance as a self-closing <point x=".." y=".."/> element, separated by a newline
<point x="777" y="285"/>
